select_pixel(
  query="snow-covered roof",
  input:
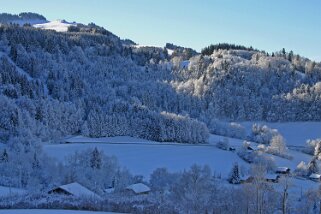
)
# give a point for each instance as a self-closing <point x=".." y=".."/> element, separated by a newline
<point x="271" y="176"/>
<point x="109" y="190"/>
<point x="315" y="176"/>
<point x="138" y="188"/>
<point x="77" y="190"/>
<point x="282" y="169"/>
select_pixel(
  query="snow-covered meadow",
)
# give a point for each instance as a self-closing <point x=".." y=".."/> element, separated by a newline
<point x="141" y="156"/>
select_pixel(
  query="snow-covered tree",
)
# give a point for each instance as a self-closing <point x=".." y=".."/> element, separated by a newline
<point x="194" y="190"/>
<point x="313" y="166"/>
<point x="301" y="169"/>
<point x="277" y="145"/>
<point x="162" y="180"/>
<point x="317" y="149"/>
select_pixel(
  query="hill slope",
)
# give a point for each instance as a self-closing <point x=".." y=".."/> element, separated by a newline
<point x="88" y="81"/>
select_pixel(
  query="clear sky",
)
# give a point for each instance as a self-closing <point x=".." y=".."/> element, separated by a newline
<point x="264" y="24"/>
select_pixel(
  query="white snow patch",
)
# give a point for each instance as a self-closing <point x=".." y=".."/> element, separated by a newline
<point x="170" y="51"/>
<point x="58" y="25"/>
<point x="145" y="46"/>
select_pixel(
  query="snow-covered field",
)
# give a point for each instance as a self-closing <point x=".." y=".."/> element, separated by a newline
<point x="33" y="211"/>
<point x="144" y="158"/>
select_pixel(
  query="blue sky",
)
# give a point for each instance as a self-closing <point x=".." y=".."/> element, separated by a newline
<point x="265" y="24"/>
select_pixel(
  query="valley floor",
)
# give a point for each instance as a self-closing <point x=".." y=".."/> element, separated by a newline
<point x="142" y="157"/>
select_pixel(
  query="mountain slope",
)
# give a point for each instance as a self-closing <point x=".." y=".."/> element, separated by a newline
<point x="88" y="81"/>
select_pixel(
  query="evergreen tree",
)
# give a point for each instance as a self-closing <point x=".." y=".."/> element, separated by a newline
<point x="14" y="53"/>
<point x="4" y="157"/>
<point x="96" y="159"/>
<point x="35" y="162"/>
<point x="290" y="56"/>
<point x="235" y="177"/>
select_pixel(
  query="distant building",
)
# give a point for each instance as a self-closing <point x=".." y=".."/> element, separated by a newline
<point x="250" y="148"/>
<point x="231" y="148"/>
<point x="315" y="177"/>
<point x="268" y="178"/>
<point x="74" y="189"/>
<point x="272" y="178"/>
<point x="283" y="170"/>
<point x="109" y="190"/>
<point x="138" y="189"/>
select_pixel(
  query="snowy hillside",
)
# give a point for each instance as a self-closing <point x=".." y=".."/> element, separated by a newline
<point x="58" y="25"/>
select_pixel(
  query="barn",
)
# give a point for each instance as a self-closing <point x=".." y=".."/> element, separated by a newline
<point x="73" y="189"/>
<point x="315" y="177"/>
<point x="283" y="170"/>
<point x="138" y="189"/>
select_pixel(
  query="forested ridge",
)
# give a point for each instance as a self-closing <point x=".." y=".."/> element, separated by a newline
<point x="88" y="81"/>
